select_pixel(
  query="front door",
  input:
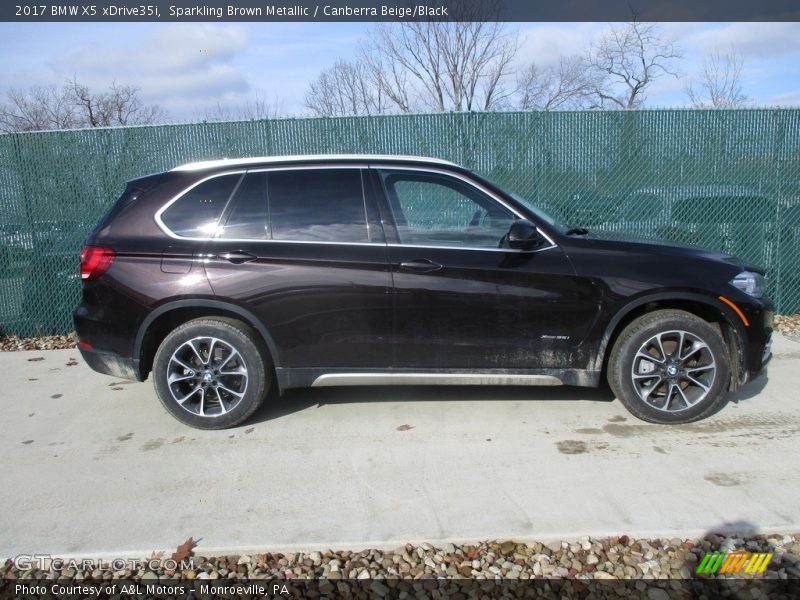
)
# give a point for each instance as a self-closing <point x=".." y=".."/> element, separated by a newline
<point x="462" y="299"/>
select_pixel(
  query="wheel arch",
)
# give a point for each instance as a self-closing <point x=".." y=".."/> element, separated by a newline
<point x="166" y="317"/>
<point x="705" y="307"/>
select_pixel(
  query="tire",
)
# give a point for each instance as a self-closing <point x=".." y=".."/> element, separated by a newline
<point x="217" y="367"/>
<point x="697" y="385"/>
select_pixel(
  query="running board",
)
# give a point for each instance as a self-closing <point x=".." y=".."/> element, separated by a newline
<point x="344" y="379"/>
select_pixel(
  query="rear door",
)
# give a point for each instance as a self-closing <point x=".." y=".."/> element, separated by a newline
<point x="303" y="249"/>
<point x="461" y="299"/>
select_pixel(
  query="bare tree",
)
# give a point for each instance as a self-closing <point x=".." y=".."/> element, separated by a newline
<point x="37" y="108"/>
<point x="568" y="85"/>
<point x="253" y="110"/>
<point x="627" y="60"/>
<point x="442" y="66"/>
<point x="720" y="83"/>
<point x="347" y="88"/>
<point x="75" y="105"/>
<point x="120" y="105"/>
<point x="391" y="78"/>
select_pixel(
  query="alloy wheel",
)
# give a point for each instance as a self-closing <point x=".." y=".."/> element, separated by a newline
<point x="673" y="371"/>
<point x="207" y="376"/>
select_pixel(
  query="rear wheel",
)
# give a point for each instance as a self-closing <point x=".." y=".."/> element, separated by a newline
<point x="211" y="373"/>
<point x="670" y="366"/>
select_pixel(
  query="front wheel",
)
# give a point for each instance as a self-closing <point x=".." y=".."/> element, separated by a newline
<point x="670" y="366"/>
<point x="210" y="373"/>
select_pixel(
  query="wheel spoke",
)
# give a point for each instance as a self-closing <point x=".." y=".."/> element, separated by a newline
<point x="698" y="383"/>
<point x="679" y="347"/>
<point x="174" y="377"/>
<point x="237" y="371"/>
<point x="661" y="348"/>
<point x="222" y="406"/>
<point x="648" y="356"/>
<point x="700" y="368"/>
<point x="230" y="391"/>
<point x="202" y="402"/>
<point x="196" y="352"/>
<point x="187" y="396"/>
<point x="668" y="397"/>
<point x="211" y="351"/>
<point x="183" y="365"/>
<point x="652" y="388"/>
<point x="645" y="376"/>
<point x="696" y="347"/>
<point x="233" y="354"/>
<point x="683" y="395"/>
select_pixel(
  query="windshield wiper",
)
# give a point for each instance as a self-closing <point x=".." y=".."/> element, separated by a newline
<point x="576" y="231"/>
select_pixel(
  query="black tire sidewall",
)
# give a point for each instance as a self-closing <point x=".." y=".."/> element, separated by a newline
<point x="716" y="397"/>
<point x="245" y="344"/>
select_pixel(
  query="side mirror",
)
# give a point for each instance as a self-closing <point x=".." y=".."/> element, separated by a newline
<point x="523" y="235"/>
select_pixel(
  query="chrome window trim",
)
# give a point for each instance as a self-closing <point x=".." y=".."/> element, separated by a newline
<point x="362" y="166"/>
<point x="215" y="237"/>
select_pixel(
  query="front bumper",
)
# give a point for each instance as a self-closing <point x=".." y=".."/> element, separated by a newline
<point x="112" y="364"/>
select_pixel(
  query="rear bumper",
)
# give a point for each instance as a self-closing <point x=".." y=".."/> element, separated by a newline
<point x="112" y="364"/>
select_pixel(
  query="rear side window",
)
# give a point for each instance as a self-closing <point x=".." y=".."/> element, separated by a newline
<point x="317" y="205"/>
<point x="248" y="215"/>
<point x="197" y="212"/>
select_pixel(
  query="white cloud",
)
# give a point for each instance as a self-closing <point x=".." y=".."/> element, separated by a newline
<point x="786" y="99"/>
<point x="753" y="40"/>
<point x="178" y="66"/>
<point x="545" y="44"/>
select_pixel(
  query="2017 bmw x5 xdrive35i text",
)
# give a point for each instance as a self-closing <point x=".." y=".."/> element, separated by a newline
<point x="222" y="279"/>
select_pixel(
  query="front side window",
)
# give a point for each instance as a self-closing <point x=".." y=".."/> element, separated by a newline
<point x="318" y="205"/>
<point x="430" y="209"/>
<point x="196" y="213"/>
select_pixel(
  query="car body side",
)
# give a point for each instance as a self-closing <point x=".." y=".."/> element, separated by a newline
<point x="322" y="308"/>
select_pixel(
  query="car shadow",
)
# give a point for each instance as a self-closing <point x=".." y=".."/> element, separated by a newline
<point x="296" y="400"/>
<point x="749" y="390"/>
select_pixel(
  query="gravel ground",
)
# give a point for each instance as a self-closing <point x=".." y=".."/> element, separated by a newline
<point x="607" y="558"/>
<point x="788" y="325"/>
<point x="11" y="343"/>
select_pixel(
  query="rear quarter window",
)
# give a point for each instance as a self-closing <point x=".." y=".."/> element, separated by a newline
<point x="197" y="212"/>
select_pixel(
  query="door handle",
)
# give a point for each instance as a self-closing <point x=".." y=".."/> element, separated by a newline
<point x="237" y="257"/>
<point x="420" y="265"/>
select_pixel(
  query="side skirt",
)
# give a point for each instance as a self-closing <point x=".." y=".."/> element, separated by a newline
<point x="313" y="377"/>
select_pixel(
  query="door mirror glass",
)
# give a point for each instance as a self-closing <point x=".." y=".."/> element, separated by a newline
<point x="523" y="235"/>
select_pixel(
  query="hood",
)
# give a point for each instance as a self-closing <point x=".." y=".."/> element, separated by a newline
<point x="662" y="247"/>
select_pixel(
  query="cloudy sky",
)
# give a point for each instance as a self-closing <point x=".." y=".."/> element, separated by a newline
<point x="188" y="68"/>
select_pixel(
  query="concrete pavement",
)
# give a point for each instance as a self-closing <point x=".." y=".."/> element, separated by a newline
<point x="94" y="465"/>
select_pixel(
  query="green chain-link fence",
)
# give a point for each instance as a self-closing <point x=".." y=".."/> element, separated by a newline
<point x="727" y="180"/>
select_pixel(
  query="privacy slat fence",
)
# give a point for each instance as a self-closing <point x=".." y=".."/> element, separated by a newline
<point x="727" y="180"/>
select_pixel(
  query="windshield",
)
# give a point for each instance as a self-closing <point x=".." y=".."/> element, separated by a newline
<point x="555" y="222"/>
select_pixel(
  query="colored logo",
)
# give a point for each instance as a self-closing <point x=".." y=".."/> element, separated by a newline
<point x="733" y="563"/>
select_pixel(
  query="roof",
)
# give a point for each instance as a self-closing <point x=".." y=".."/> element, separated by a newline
<point x="266" y="160"/>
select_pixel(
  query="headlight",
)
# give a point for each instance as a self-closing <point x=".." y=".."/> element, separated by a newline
<point x="750" y="283"/>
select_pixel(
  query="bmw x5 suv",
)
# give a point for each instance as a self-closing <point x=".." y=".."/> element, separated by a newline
<point x="223" y="279"/>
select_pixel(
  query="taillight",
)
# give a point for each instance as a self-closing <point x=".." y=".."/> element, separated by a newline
<point x="94" y="261"/>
